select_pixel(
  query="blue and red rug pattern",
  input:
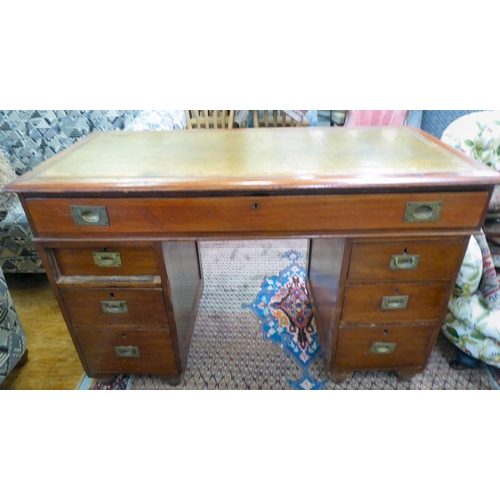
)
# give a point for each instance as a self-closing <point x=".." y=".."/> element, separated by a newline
<point x="286" y="318"/>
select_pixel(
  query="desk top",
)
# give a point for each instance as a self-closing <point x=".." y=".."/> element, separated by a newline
<point x="326" y="159"/>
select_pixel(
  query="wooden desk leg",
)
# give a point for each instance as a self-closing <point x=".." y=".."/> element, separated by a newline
<point x="405" y="375"/>
<point x="185" y="288"/>
<point x="339" y="377"/>
<point x="326" y="262"/>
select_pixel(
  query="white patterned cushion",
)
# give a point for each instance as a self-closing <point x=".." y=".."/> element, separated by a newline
<point x="471" y="271"/>
<point x="157" y="120"/>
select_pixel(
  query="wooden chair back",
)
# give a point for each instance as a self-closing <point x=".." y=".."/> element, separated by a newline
<point x="276" y="118"/>
<point x="209" y="119"/>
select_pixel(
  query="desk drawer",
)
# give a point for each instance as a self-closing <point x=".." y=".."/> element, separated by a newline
<point x="127" y="351"/>
<point x="379" y="347"/>
<point x="106" y="261"/>
<point x="116" y="307"/>
<point x="393" y="303"/>
<point x="66" y="217"/>
<point x="406" y="260"/>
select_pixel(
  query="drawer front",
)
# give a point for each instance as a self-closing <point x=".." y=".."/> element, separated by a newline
<point x="106" y="261"/>
<point x="393" y="303"/>
<point x="382" y="347"/>
<point x="127" y="351"/>
<point x="406" y="261"/>
<point x="58" y="217"/>
<point x="116" y="307"/>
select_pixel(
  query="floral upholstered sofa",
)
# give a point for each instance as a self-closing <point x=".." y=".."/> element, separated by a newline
<point x="472" y="322"/>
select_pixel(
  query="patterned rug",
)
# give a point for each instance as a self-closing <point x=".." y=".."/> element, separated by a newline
<point x="255" y="330"/>
<point x="286" y="318"/>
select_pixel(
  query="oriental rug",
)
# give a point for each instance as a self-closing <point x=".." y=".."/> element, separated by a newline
<point x="255" y="330"/>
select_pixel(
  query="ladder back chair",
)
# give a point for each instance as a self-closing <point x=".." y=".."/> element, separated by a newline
<point x="209" y="119"/>
<point x="276" y="118"/>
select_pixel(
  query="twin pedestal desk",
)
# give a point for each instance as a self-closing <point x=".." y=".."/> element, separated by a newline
<point x="388" y="213"/>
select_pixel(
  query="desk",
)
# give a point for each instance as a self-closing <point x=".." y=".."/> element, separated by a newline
<point x="388" y="213"/>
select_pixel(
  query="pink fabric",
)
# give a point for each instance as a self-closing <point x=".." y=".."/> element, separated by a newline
<point x="489" y="285"/>
<point x="361" y="118"/>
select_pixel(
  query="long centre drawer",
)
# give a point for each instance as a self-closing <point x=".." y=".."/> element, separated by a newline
<point x="70" y="217"/>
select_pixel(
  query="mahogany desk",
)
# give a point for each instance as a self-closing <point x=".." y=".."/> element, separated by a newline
<point x="388" y="213"/>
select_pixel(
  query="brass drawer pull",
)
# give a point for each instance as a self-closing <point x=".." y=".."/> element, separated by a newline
<point x="394" y="302"/>
<point x="89" y="215"/>
<point x="127" y="351"/>
<point x="383" y="347"/>
<point x="107" y="259"/>
<point x="404" y="262"/>
<point x="114" y="306"/>
<point x="423" y="211"/>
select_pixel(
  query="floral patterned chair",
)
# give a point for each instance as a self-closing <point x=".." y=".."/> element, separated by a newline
<point x="472" y="322"/>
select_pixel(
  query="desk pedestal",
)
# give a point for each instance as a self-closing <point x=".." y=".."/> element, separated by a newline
<point x="128" y="276"/>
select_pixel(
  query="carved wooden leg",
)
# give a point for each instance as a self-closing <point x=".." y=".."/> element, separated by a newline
<point x="406" y="375"/>
<point x="339" y="377"/>
<point x="176" y="380"/>
<point x="106" y="380"/>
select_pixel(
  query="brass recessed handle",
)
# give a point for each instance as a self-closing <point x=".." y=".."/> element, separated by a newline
<point x="107" y="259"/>
<point x="423" y="211"/>
<point x="394" y="302"/>
<point x="114" y="306"/>
<point x="129" y="351"/>
<point x="383" y="347"/>
<point x="404" y="262"/>
<point x="89" y="215"/>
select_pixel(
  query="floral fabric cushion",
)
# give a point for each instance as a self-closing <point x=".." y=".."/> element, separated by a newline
<point x="473" y="327"/>
<point x="470" y="323"/>
<point x="477" y="135"/>
<point x="471" y="271"/>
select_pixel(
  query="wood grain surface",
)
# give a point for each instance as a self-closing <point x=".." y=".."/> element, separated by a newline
<point x="277" y="215"/>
